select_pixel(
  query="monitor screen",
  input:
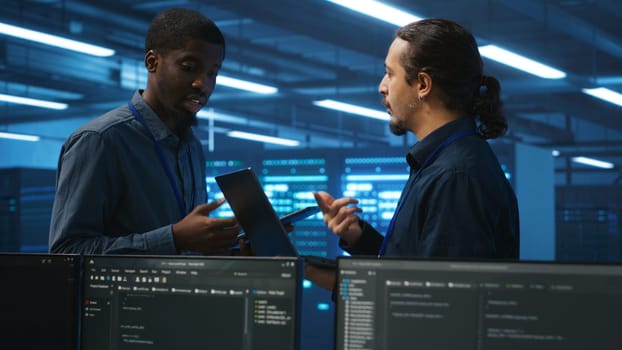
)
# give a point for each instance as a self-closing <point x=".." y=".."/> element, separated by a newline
<point x="289" y="184"/>
<point x="190" y="303"/>
<point x="377" y="183"/>
<point x="39" y="301"/>
<point x="393" y="303"/>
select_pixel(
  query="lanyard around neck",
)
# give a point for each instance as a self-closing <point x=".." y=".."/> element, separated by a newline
<point x="426" y="162"/>
<point x="163" y="162"/>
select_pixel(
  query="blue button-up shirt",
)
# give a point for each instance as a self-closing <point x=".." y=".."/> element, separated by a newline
<point x="460" y="205"/>
<point x="112" y="192"/>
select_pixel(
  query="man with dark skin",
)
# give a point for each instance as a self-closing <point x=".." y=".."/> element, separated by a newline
<point x="133" y="180"/>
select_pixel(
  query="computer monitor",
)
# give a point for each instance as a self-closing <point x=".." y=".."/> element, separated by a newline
<point x="418" y="304"/>
<point x="190" y="302"/>
<point x="39" y="301"/>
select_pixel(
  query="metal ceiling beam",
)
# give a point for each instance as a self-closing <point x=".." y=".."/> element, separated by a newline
<point x="540" y="129"/>
<point x="557" y="19"/>
<point x="576" y="105"/>
<point x="330" y="30"/>
<point x="583" y="144"/>
<point x="612" y="6"/>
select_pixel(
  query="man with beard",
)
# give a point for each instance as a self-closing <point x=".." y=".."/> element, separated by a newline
<point x="133" y="180"/>
<point x="457" y="202"/>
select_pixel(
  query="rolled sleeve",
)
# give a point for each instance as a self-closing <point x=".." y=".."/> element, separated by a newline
<point x="368" y="244"/>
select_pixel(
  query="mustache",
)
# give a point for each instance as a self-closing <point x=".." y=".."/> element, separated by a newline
<point x="199" y="95"/>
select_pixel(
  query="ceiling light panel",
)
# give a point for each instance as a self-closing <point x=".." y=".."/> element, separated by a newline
<point x="53" y="40"/>
<point x="352" y="109"/>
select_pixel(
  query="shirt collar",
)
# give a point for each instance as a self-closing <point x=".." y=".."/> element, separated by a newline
<point x="157" y="127"/>
<point x="418" y="153"/>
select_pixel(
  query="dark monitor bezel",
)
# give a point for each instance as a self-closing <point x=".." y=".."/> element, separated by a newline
<point x="77" y="285"/>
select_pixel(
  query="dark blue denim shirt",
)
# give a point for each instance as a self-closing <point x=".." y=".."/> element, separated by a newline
<point x="112" y="193"/>
<point x="461" y="205"/>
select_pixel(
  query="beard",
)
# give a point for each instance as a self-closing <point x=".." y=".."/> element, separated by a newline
<point x="397" y="127"/>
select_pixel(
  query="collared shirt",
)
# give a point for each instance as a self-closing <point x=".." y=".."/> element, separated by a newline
<point x="460" y="205"/>
<point x="112" y="192"/>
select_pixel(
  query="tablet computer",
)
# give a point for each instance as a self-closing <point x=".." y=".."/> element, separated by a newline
<point x="299" y="214"/>
<point x="255" y="214"/>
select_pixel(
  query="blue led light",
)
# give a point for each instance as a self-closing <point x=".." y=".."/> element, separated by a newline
<point x="378" y="160"/>
<point x="284" y="162"/>
<point x="377" y="177"/>
<point x="323" y="306"/>
<point x="298" y="178"/>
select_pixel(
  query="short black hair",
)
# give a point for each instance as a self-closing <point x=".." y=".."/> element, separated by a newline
<point x="173" y="28"/>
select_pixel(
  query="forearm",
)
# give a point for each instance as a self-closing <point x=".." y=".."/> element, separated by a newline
<point x="158" y="241"/>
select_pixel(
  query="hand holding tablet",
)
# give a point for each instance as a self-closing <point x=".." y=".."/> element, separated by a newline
<point x="299" y="214"/>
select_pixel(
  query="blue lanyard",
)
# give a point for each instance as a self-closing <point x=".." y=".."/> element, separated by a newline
<point x="427" y="162"/>
<point x="163" y="162"/>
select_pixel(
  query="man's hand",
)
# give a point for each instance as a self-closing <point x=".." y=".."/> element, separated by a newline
<point x="339" y="216"/>
<point x="246" y="249"/>
<point x="199" y="232"/>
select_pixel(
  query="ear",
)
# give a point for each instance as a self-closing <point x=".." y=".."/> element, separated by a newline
<point x="151" y="61"/>
<point x="424" y="84"/>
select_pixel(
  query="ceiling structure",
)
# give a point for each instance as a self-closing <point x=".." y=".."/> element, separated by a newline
<point x="314" y="50"/>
